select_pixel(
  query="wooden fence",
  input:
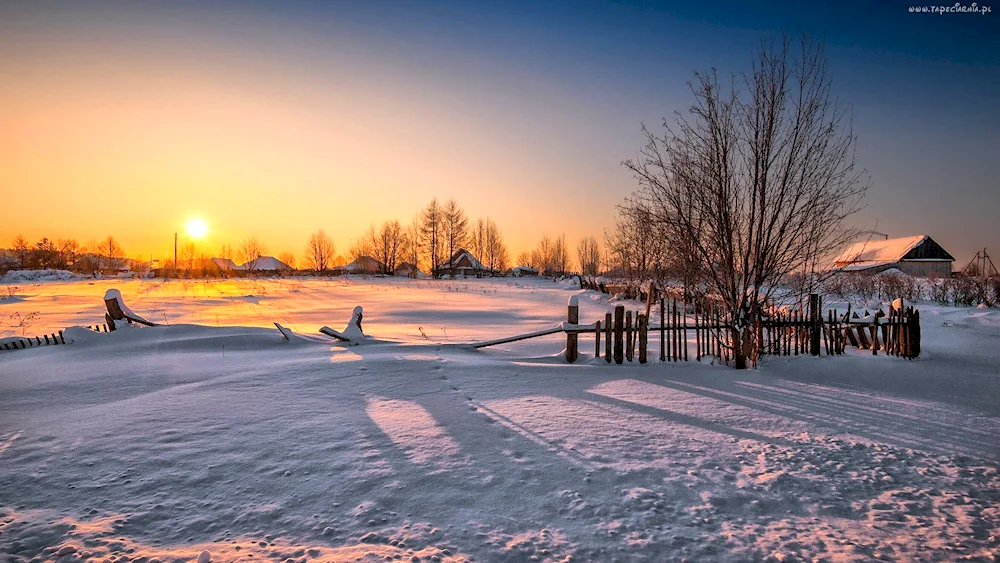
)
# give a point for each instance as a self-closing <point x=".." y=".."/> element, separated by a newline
<point x="805" y="329"/>
<point x="695" y="331"/>
<point x="685" y="332"/>
<point x="32" y="342"/>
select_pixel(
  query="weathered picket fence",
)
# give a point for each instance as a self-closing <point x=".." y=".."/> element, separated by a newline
<point x="32" y="341"/>
<point x="700" y="330"/>
<point x="794" y="332"/>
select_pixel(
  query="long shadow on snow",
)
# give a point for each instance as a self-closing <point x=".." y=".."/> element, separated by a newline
<point x="935" y="428"/>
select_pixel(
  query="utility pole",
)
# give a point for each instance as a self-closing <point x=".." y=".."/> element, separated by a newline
<point x="175" y="254"/>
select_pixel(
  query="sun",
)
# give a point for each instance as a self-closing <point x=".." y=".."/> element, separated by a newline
<point x="197" y="228"/>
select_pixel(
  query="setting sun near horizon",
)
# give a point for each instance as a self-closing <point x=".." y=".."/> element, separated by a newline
<point x="196" y="228"/>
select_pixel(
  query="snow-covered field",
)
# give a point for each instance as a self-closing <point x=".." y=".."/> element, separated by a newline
<point x="214" y="434"/>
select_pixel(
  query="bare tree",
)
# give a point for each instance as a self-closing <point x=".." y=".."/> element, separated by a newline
<point x="288" y="259"/>
<point x="456" y="230"/>
<point x="21" y="250"/>
<point x="494" y="256"/>
<point x="320" y="251"/>
<point x="411" y="244"/>
<point x="551" y="256"/>
<point x="112" y="255"/>
<point x="44" y="254"/>
<point x="250" y="252"/>
<point x="560" y="256"/>
<point x="527" y="259"/>
<point x="68" y="250"/>
<point x="188" y="258"/>
<point x="140" y="266"/>
<point x="477" y="240"/>
<point x="541" y="256"/>
<point x="635" y="247"/>
<point x="588" y="252"/>
<point x="362" y="246"/>
<point x="387" y="245"/>
<point x="432" y="231"/>
<point x="757" y="184"/>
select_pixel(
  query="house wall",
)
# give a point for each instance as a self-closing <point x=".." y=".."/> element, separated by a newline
<point x="925" y="268"/>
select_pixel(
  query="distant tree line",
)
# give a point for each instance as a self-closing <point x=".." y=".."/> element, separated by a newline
<point x="106" y="256"/>
<point x="434" y="236"/>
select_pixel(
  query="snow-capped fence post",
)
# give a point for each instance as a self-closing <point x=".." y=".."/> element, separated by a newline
<point x="572" y="338"/>
<point x="619" y="326"/>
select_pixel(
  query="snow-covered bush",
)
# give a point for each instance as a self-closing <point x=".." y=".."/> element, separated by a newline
<point x="939" y="288"/>
<point x="895" y="284"/>
<point x="850" y="286"/>
<point x="37" y="275"/>
<point x="968" y="291"/>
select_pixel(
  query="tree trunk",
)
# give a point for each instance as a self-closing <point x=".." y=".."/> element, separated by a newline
<point x="739" y="348"/>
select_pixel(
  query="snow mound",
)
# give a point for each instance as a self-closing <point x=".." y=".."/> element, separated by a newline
<point x="14" y="276"/>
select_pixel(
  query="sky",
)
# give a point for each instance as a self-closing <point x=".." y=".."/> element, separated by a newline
<point x="275" y="119"/>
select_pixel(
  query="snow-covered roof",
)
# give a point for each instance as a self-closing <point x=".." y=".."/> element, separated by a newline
<point x="362" y="264"/>
<point x="526" y="269"/>
<point x="267" y="263"/>
<point x="225" y="264"/>
<point x="457" y="257"/>
<point x="873" y="253"/>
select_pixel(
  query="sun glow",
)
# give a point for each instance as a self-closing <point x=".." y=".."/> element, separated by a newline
<point x="197" y="228"/>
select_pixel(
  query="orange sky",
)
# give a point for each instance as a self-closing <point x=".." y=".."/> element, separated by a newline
<point x="132" y="142"/>
<point x="276" y="119"/>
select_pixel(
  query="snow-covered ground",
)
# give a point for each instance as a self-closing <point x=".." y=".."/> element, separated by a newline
<point x="214" y="434"/>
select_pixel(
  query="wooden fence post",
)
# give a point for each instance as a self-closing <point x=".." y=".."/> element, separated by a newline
<point x="643" y="333"/>
<point x="698" y="343"/>
<point x="607" y="337"/>
<point x="816" y="323"/>
<point x="619" y="326"/>
<point x="572" y="339"/>
<point x="676" y="334"/>
<point x="663" y="352"/>
<point x="875" y="337"/>
<point x="628" y="335"/>
<point x="597" y="340"/>
<point x="684" y="335"/>
<point x="915" y="335"/>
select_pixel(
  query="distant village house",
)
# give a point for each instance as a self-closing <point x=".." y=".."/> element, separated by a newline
<point x="361" y="265"/>
<point x="916" y="256"/>
<point x="461" y="264"/>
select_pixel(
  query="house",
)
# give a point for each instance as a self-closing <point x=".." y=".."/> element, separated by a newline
<point x="522" y="271"/>
<point x="225" y="264"/>
<point x="462" y="263"/>
<point x="408" y="270"/>
<point x="268" y="264"/>
<point x="361" y="265"/>
<point x="916" y="256"/>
